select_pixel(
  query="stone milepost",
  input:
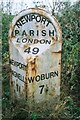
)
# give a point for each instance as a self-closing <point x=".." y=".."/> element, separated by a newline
<point x="35" y="45"/>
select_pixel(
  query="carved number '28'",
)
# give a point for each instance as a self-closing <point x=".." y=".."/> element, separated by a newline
<point x="35" y="50"/>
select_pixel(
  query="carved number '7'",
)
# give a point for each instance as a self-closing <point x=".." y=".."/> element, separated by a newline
<point x="41" y="86"/>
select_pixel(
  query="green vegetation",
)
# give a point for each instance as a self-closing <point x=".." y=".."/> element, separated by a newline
<point x="6" y="19"/>
<point x="69" y="106"/>
<point x="69" y="22"/>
